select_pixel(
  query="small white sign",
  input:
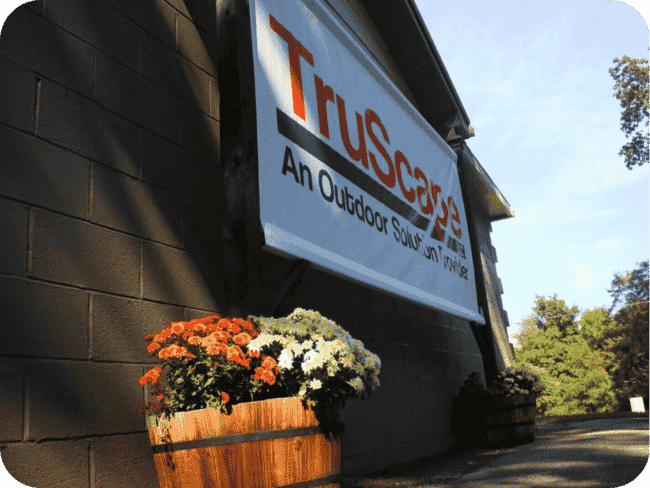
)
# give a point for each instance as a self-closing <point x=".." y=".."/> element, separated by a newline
<point x="352" y="177"/>
<point x="637" y="404"/>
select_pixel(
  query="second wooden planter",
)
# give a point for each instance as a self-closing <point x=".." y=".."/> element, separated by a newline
<point x="265" y="444"/>
<point x="495" y="421"/>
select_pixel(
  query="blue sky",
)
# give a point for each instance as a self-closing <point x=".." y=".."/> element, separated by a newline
<point x="533" y="77"/>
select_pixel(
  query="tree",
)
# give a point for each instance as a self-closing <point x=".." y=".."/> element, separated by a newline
<point x="628" y="342"/>
<point x="526" y="327"/>
<point x="574" y="374"/>
<point x="632" y="90"/>
<point x="631" y="286"/>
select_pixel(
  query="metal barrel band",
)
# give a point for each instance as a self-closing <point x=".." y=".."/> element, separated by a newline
<point x="325" y="480"/>
<point x="236" y="439"/>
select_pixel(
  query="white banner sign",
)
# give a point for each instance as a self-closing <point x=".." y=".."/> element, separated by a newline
<point x="352" y="178"/>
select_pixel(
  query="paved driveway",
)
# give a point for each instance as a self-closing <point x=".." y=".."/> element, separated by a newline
<point x="591" y="453"/>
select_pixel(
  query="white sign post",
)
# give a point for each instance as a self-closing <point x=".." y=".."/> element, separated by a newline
<point x="352" y="177"/>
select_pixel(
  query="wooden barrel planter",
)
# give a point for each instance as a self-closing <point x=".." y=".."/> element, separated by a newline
<point x="495" y="421"/>
<point x="266" y="444"/>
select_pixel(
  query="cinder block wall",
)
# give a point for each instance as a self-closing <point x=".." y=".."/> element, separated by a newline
<point x="110" y="227"/>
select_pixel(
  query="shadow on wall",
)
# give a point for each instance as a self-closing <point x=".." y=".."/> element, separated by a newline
<point x="111" y="211"/>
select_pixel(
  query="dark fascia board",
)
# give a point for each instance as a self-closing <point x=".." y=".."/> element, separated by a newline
<point x="483" y="189"/>
<point x="408" y="41"/>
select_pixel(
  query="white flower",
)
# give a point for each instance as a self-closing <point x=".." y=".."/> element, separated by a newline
<point x="312" y="361"/>
<point x="315" y="384"/>
<point x="307" y="344"/>
<point x="285" y="360"/>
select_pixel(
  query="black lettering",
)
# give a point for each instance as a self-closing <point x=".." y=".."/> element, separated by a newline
<point x="396" y="227"/>
<point x="288" y="156"/>
<point x="357" y="202"/>
<point x="325" y="174"/>
<point x="349" y="197"/>
<point x="385" y="225"/>
<point x="369" y="218"/>
<point x="341" y="204"/>
<point x="302" y="175"/>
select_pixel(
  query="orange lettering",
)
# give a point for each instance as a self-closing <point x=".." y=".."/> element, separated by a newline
<point x="399" y="159"/>
<point x="359" y="154"/>
<point x="324" y="93"/>
<point x="421" y="190"/>
<point x="387" y="179"/>
<point x="296" y="51"/>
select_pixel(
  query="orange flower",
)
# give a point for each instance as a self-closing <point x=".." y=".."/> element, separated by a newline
<point x="166" y="333"/>
<point x="148" y="337"/>
<point x="264" y="375"/>
<point x="253" y="354"/>
<point x="194" y="340"/>
<point x="225" y="396"/>
<point x="177" y="327"/>
<point x="153" y="347"/>
<point x="186" y="334"/>
<point x="223" y="323"/>
<point x="164" y="353"/>
<point x="269" y="363"/>
<point x="242" y="339"/>
<point x="143" y="380"/>
<point x="212" y="350"/>
<point x="234" y="328"/>
<point x="200" y="328"/>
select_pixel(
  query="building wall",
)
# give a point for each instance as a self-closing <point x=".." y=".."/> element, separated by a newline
<point x="111" y="210"/>
<point x="494" y="289"/>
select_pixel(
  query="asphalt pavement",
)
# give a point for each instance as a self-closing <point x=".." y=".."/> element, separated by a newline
<point x="590" y="453"/>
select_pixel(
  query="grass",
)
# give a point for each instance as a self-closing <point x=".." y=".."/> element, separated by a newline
<point x="553" y="419"/>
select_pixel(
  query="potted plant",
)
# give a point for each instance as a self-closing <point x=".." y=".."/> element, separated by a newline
<point x="252" y="402"/>
<point x="502" y="414"/>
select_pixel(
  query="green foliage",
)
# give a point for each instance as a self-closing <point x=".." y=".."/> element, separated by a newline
<point x="575" y="374"/>
<point x="632" y="91"/>
<point x="629" y="345"/>
<point x="631" y="286"/>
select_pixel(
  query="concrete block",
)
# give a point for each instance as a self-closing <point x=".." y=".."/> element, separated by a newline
<point x="382" y="300"/>
<point x="132" y="96"/>
<point x="48" y="464"/>
<point x="31" y="41"/>
<point x="204" y="14"/>
<point x="200" y="134"/>
<point x="398" y="328"/>
<point x="305" y="297"/>
<point x="126" y="204"/>
<point x="69" y="399"/>
<point x="458" y="323"/>
<point x="382" y="398"/>
<point x="160" y="63"/>
<point x="156" y="17"/>
<point x="86" y="128"/>
<point x="180" y="171"/>
<point x="119" y="325"/>
<point x="176" y="277"/>
<point x="399" y="428"/>
<point x="132" y="453"/>
<point x="13" y="238"/>
<point x="202" y="230"/>
<point x="215" y="99"/>
<point x="84" y="255"/>
<point x="197" y="46"/>
<point x="100" y="26"/>
<point x="191" y="313"/>
<point x="420" y="333"/>
<point x="365" y="433"/>
<point x="372" y="324"/>
<point x="350" y="291"/>
<point x="406" y="308"/>
<point x="414" y="360"/>
<point x="39" y="173"/>
<point x="194" y="86"/>
<point x="438" y="337"/>
<point x="17" y="87"/>
<point x="45" y="320"/>
<point x="12" y="378"/>
<point x="391" y="356"/>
